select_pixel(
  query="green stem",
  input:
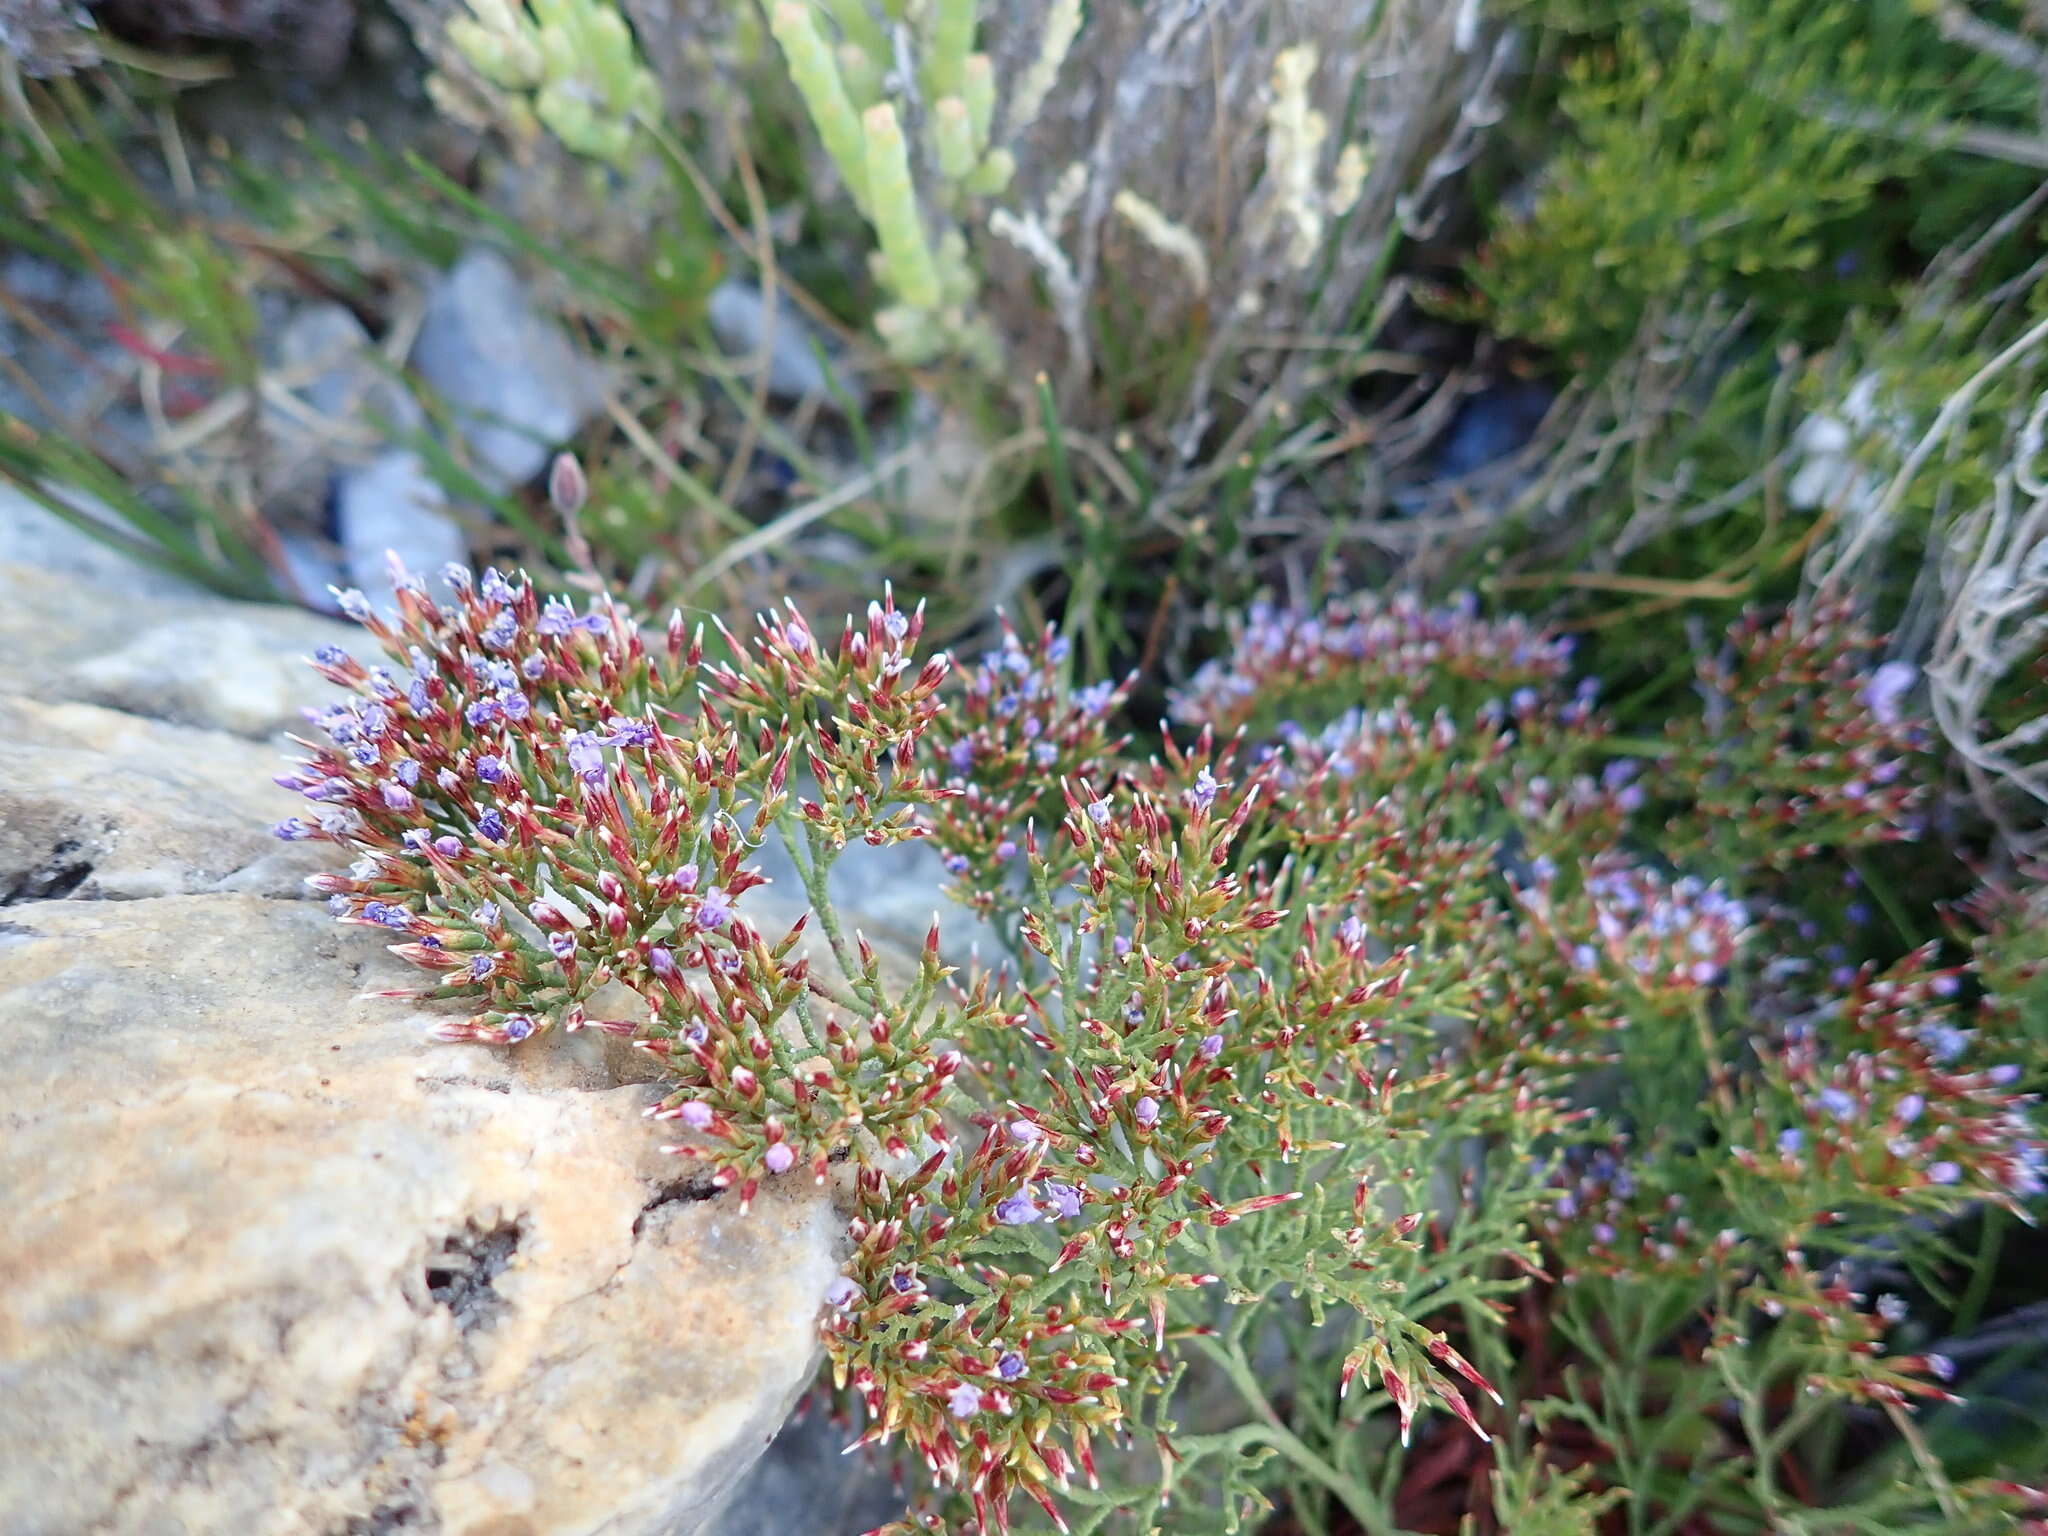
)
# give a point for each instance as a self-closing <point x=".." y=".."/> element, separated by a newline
<point x="1356" y="1497"/>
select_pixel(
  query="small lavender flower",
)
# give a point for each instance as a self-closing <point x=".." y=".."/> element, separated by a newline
<point x="491" y="826"/>
<point x="1017" y="1211"/>
<point x="1203" y="794"/>
<point x="1887" y="687"/>
<point x="503" y="630"/>
<point x="1146" y="1111"/>
<point x="1006" y="850"/>
<point x="1098" y="812"/>
<point x="332" y="656"/>
<point x="628" y="733"/>
<point x="1063" y="1200"/>
<point x="486" y="914"/>
<point x="1791" y="1140"/>
<point x="1943" y="1368"/>
<point x="495" y="589"/>
<point x="534" y="668"/>
<point x="1909" y="1108"/>
<point x="396" y="796"/>
<point x="514" y="705"/>
<point x="715" y="911"/>
<point x="518" y="1028"/>
<point x="965" y="1401"/>
<point x="291" y="830"/>
<point x="1010" y="1365"/>
<point x="778" y="1158"/>
<point x="696" y="1115"/>
<point x="1944" y="1173"/>
<point x="1891" y="1308"/>
<point x="842" y="1293"/>
<point x="661" y="962"/>
<point x="448" y="847"/>
<point x="482" y="711"/>
<point x="1837" y="1102"/>
<point x="353" y="603"/>
<point x="586" y="757"/>
<point x="562" y="945"/>
<point x="1024" y="1132"/>
<point x="1210" y="1048"/>
<point x="481" y="966"/>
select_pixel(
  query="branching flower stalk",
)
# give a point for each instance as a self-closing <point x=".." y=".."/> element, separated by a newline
<point x="1299" y="1025"/>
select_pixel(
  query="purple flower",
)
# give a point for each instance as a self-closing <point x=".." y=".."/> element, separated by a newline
<point x="396" y="796"/>
<point x="457" y="576"/>
<point x="332" y="656"/>
<point x="842" y="1293"/>
<point x="894" y="624"/>
<point x="1010" y="1365"/>
<point x="1909" y="1108"/>
<point x="661" y="962"/>
<point x="1006" y="849"/>
<point x="957" y="863"/>
<point x="696" y="1115"/>
<point x="491" y="768"/>
<point x="1602" y="1232"/>
<point x="491" y="826"/>
<point x="778" y="1158"/>
<point x="1837" y="1102"/>
<point x="534" y="668"/>
<point x="1024" y="1132"/>
<point x="486" y="915"/>
<point x="291" y="830"/>
<point x="961" y="755"/>
<point x="965" y="1401"/>
<point x="1203" y="794"/>
<point x="1886" y="687"/>
<point x="903" y="1282"/>
<point x="514" y="705"/>
<point x="1210" y="1048"/>
<point x="352" y="602"/>
<point x="481" y="712"/>
<point x="1045" y="754"/>
<point x="629" y="733"/>
<point x="448" y="847"/>
<point x="557" y="617"/>
<point x="1146" y="1111"/>
<point x="1944" y="1173"/>
<point x="518" y="1028"/>
<point x="1064" y="1200"/>
<point x="481" y="966"/>
<point x="1017" y="1211"/>
<point x="562" y="945"/>
<point x="1891" y="1308"/>
<point x="1791" y="1140"/>
<point x="715" y="911"/>
<point x="2005" y="1075"/>
<point x="586" y="758"/>
<point x="495" y="589"/>
<point x="502" y="631"/>
<point x="1944" y="1369"/>
<point x="1095" y="699"/>
<point x="1098" y="812"/>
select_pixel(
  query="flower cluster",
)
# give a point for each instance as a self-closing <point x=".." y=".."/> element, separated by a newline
<point x="1367" y="649"/>
<point x="538" y="804"/>
<point x="1345" y="1014"/>
<point x="1809" y="746"/>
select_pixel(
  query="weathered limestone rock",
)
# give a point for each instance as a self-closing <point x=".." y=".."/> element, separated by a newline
<point x="277" y="1265"/>
<point x="272" y="1262"/>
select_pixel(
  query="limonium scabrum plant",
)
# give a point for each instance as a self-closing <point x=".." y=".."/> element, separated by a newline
<point x="1350" y="1034"/>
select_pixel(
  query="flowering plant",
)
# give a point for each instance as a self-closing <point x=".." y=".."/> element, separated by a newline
<point x="1352" y="1071"/>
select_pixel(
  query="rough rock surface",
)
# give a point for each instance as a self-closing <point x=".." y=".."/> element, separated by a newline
<point x="273" y="1262"/>
<point x="78" y="622"/>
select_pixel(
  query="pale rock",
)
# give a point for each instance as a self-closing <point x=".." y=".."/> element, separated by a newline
<point x="394" y="507"/>
<point x="277" y="1265"/>
<point x="80" y="622"/>
<point x="738" y="313"/>
<point x="516" y="385"/>
<point x="95" y="803"/>
<point x="345" y="406"/>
